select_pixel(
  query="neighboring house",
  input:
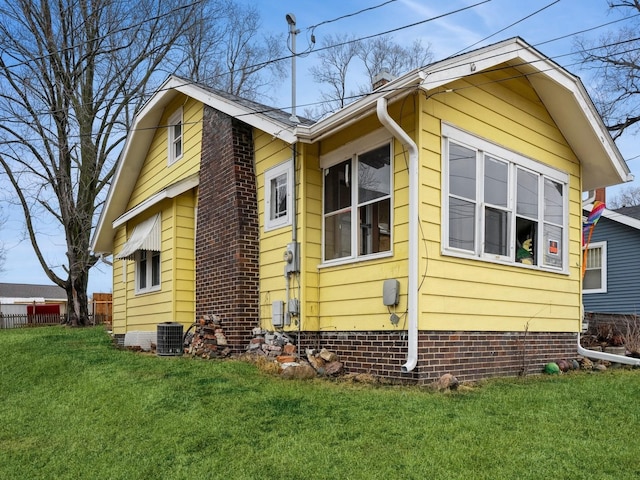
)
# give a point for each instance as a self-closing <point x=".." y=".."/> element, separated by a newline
<point x="27" y="299"/>
<point x="611" y="284"/>
<point x="403" y="219"/>
<point x="29" y="294"/>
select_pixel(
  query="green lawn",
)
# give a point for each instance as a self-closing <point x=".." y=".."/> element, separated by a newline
<point x="73" y="406"/>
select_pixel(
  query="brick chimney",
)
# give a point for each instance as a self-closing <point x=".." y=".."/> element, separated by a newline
<point x="382" y="78"/>
<point x="601" y="195"/>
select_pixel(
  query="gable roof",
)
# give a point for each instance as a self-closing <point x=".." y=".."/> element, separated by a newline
<point x="270" y="120"/>
<point x="562" y="93"/>
<point x="30" y="291"/>
<point x="633" y="212"/>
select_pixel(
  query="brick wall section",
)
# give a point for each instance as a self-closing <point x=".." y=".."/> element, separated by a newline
<point x="227" y="248"/>
<point x="467" y="355"/>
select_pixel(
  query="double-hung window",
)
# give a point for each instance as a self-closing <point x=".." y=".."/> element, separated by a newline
<point x="175" y="131"/>
<point x="595" y="275"/>
<point x="501" y="206"/>
<point x="278" y="196"/>
<point x="357" y="218"/>
<point x="147" y="271"/>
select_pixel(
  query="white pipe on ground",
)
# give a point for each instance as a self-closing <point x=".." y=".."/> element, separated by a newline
<point x="609" y="357"/>
<point x="412" y="290"/>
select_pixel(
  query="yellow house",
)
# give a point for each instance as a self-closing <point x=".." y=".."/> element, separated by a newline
<point x="432" y="226"/>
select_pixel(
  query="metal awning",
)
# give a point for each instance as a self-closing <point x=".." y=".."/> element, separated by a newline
<point x="145" y="236"/>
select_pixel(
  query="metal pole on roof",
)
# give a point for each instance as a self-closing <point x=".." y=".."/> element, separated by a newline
<point x="291" y="20"/>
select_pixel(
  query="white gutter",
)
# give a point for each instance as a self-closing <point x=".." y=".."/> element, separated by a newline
<point x="412" y="290"/>
<point x="609" y="357"/>
<point x="590" y="199"/>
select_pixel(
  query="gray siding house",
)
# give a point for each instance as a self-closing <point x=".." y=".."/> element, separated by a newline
<point x="612" y="278"/>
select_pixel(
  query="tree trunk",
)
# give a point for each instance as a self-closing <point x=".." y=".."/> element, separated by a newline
<point x="78" y="301"/>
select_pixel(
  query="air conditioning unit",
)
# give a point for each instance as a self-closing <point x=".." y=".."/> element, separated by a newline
<point x="169" y="339"/>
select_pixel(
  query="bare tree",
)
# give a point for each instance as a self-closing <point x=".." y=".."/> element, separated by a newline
<point x="71" y="74"/>
<point x="335" y="56"/>
<point x="225" y="49"/>
<point x="628" y="197"/>
<point x="376" y="54"/>
<point x="382" y="53"/>
<point x="615" y="61"/>
<point x="3" y="251"/>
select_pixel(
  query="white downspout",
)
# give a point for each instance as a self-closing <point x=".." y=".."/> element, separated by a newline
<point x="412" y="290"/>
<point x="609" y="357"/>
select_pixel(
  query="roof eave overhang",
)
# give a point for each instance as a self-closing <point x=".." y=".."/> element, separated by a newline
<point x="562" y="93"/>
<point x="355" y="111"/>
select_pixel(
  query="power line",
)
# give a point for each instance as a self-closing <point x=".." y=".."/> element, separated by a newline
<point x="313" y="27"/>
<point x="397" y="29"/>
<point x="269" y="109"/>
<point x="120" y="30"/>
<point x="288" y="57"/>
<point x="506" y="28"/>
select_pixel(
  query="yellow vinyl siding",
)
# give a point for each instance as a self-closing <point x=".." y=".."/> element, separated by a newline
<point x="119" y="320"/>
<point x="270" y="152"/>
<point x="456" y="293"/>
<point x="310" y="235"/>
<point x="460" y="294"/>
<point x="155" y="175"/>
<point x="184" y="254"/>
<point x="350" y="295"/>
<point x="175" y="301"/>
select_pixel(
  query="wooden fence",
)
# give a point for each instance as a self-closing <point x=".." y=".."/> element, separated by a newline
<point x="11" y="320"/>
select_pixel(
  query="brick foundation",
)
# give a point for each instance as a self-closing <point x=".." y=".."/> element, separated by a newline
<point x="227" y="247"/>
<point x="467" y="355"/>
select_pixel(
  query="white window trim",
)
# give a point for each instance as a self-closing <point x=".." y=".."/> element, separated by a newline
<point x="274" y="172"/>
<point x="350" y="151"/>
<point x="479" y="144"/>
<point x="150" y="288"/>
<point x="603" y="268"/>
<point x="174" y="120"/>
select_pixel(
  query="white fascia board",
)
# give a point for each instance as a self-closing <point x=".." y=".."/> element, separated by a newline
<point x="129" y="162"/>
<point x="447" y="71"/>
<point x="171" y="191"/>
<point x="359" y="109"/>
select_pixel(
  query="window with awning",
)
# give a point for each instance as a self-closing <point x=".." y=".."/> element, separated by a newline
<point x="145" y="237"/>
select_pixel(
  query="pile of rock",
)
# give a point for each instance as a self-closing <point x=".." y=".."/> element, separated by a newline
<point x="207" y="340"/>
<point x="579" y="363"/>
<point x="324" y="362"/>
<point x="281" y="348"/>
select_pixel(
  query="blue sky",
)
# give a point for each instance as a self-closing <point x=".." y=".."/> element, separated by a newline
<point x="447" y="35"/>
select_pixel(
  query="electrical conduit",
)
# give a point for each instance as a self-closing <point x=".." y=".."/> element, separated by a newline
<point x="412" y="290"/>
